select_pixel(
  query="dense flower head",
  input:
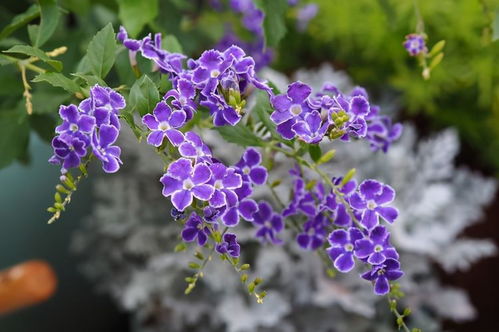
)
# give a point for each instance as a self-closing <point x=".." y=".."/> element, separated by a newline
<point x="415" y="44"/>
<point x="229" y="245"/>
<point x="93" y="123"/>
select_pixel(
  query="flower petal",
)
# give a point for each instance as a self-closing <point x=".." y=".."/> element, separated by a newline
<point x="181" y="199"/>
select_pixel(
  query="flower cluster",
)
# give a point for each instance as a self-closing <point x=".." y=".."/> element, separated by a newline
<point x="415" y="44"/>
<point x="331" y="113"/>
<point x="93" y="123"/>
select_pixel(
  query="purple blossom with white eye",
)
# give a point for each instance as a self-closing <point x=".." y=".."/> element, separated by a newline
<point x="310" y="129"/>
<point x="268" y="223"/>
<point x="289" y="107"/>
<point x="239" y="206"/>
<point x="68" y="150"/>
<point x="343" y="244"/>
<point x="381" y="274"/>
<point x="183" y="182"/>
<point x="376" y="248"/>
<point x="371" y="200"/>
<point x="229" y="245"/>
<point x="381" y="133"/>
<point x="249" y="167"/>
<point x="169" y="63"/>
<point x="224" y="180"/>
<point x="357" y="108"/>
<point x="183" y="97"/>
<point x="415" y="44"/>
<point x="104" y="150"/>
<point x="163" y="122"/>
<point x="194" y="228"/>
<point x="313" y="233"/>
<point x="74" y="121"/>
<point x="104" y="104"/>
<point x="193" y="147"/>
<point x="211" y="64"/>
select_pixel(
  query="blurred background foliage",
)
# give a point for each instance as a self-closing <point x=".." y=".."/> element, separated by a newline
<point x="363" y="37"/>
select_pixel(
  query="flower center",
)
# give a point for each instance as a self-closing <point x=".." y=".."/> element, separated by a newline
<point x="164" y="125"/>
<point x="371" y="205"/>
<point x="73" y="127"/>
<point x="378" y="248"/>
<point x="214" y="73"/>
<point x="349" y="247"/>
<point x="182" y="101"/>
<point x="267" y="224"/>
<point x="218" y="184"/>
<point x="246" y="170"/>
<point x="295" y="110"/>
<point x="188" y="185"/>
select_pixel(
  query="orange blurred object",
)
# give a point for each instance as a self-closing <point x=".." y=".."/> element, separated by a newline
<point x="26" y="284"/>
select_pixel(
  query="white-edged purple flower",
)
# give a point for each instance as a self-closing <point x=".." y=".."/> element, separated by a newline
<point x="229" y="245"/>
<point x="193" y="147"/>
<point x="343" y="244"/>
<point x="164" y="122"/>
<point x="415" y="44"/>
<point x="222" y="113"/>
<point x="239" y="206"/>
<point x="183" y="97"/>
<point x="381" y="274"/>
<point x="104" y="104"/>
<point x="371" y="200"/>
<point x="311" y="129"/>
<point x="211" y="64"/>
<point x="249" y="167"/>
<point x="376" y="248"/>
<point x="104" y="150"/>
<point x="184" y="182"/>
<point x="74" y="121"/>
<point x="313" y="233"/>
<point x="194" y="228"/>
<point x="381" y="133"/>
<point x="268" y="223"/>
<point x="224" y="180"/>
<point x="289" y="107"/>
<point x="68" y="150"/>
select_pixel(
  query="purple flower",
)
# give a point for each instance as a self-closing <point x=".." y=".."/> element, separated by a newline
<point x="239" y="206"/>
<point x="176" y="214"/>
<point x="376" y="249"/>
<point x="229" y="245"/>
<point x="222" y="113"/>
<point x="182" y="182"/>
<point x="383" y="273"/>
<point x="289" y="107"/>
<point x="381" y="133"/>
<point x="211" y="65"/>
<point x="183" y="97"/>
<point x="104" y="150"/>
<point x="74" y="121"/>
<point x="249" y="167"/>
<point x="164" y="123"/>
<point x="342" y="248"/>
<point x="194" y="228"/>
<point x="193" y="147"/>
<point x="313" y="233"/>
<point x="224" y="180"/>
<point x="370" y="201"/>
<point x="415" y="44"/>
<point x="268" y="223"/>
<point x="104" y="104"/>
<point x="211" y="214"/>
<point x="68" y="150"/>
<point x="310" y="129"/>
<point x="305" y="14"/>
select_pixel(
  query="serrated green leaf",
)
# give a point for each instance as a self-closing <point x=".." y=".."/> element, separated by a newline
<point x="58" y="80"/>
<point x="135" y="14"/>
<point x="14" y="136"/>
<point x="171" y="44"/>
<point x="274" y="25"/>
<point x="240" y="135"/>
<point x="49" y="18"/>
<point x="36" y="52"/>
<point x="20" y="20"/>
<point x="314" y="150"/>
<point x="91" y="80"/>
<point x="144" y="96"/>
<point x="101" y="52"/>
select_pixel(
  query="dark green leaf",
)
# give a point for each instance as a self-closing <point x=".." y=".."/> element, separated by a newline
<point x="14" y="136"/>
<point x="49" y="18"/>
<point x="128" y="116"/>
<point x="315" y="152"/>
<point x="240" y="135"/>
<point x="36" y="52"/>
<point x="20" y="20"/>
<point x="91" y="80"/>
<point x="101" y="52"/>
<point x="58" y="80"/>
<point x="47" y="100"/>
<point x="262" y="111"/>
<point x="274" y="25"/>
<point x="134" y="14"/>
<point x="171" y="44"/>
<point x="44" y="125"/>
<point x="143" y="95"/>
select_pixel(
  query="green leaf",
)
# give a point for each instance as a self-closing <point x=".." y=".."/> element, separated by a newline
<point x="240" y="135"/>
<point x="326" y="157"/>
<point x="47" y="100"/>
<point x="20" y="20"/>
<point x="91" y="80"/>
<point x="128" y="116"/>
<point x="14" y="136"/>
<point x="171" y="44"/>
<point x="101" y="52"/>
<point x="49" y="18"/>
<point x="43" y="124"/>
<point x="144" y="95"/>
<point x="58" y="80"/>
<point x="437" y="48"/>
<point x="274" y="25"/>
<point x="314" y="150"/>
<point x="262" y="112"/>
<point x="36" y="52"/>
<point x="436" y="60"/>
<point x="134" y="14"/>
